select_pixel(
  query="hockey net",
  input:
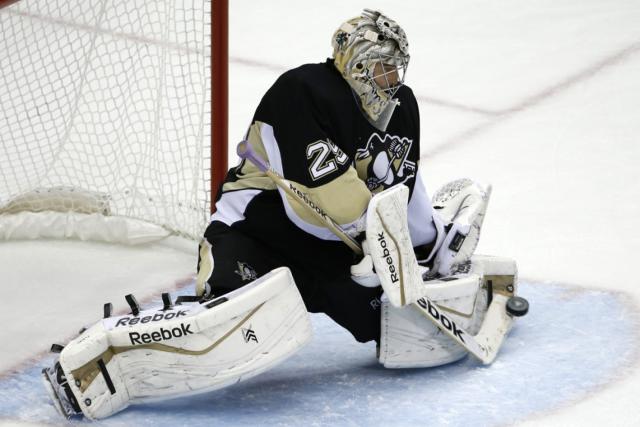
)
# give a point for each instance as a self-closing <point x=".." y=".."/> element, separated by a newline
<point x="105" y="119"/>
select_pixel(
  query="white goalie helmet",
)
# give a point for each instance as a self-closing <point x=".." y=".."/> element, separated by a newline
<point x="371" y="52"/>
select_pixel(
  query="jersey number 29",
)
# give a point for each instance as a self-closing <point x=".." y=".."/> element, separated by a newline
<point x="325" y="154"/>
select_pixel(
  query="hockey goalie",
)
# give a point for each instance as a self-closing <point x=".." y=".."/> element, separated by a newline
<point x="325" y="212"/>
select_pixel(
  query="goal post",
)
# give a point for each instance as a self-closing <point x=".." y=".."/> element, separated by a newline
<point x="113" y="115"/>
<point x="219" y="94"/>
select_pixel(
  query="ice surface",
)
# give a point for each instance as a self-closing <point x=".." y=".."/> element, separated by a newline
<point x="561" y="351"/>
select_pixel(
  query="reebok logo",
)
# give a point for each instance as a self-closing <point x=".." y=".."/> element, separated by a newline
<point x="308" y="201"/>
<point x="393" y="272"/>
<point x="130" y="320"/>
<point x="449" y="324"/>
<point x="161" y="335"/>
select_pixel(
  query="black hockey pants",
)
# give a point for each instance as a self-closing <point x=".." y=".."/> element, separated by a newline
<point x="326" y="288"/>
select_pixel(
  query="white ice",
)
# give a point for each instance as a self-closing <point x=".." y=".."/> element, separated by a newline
<point x="542" y="99"/>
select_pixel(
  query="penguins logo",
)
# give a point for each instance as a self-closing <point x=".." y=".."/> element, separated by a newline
<point x="246" y="272"/>
<point x="383" y="162"/>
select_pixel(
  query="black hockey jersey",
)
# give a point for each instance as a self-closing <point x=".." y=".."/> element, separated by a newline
<point x="310" y="129"/>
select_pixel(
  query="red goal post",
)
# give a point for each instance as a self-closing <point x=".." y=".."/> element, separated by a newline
<point x="104" y="109"/>
<point x="219" y="94"/>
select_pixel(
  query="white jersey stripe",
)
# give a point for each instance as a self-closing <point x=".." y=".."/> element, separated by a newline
<point x="419" y="214"/>
<point x="233" y="204"/>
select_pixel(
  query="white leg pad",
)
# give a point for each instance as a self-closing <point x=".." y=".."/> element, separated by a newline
<point x="409" y="340"/>
<point x="191" y="348"/>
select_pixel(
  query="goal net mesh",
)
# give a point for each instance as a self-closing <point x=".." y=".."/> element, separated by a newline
<point x="105" y="107"/>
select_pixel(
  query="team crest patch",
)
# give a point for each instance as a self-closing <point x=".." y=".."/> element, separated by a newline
<point x="246" y="272"/>
<point x="383" y="162"/>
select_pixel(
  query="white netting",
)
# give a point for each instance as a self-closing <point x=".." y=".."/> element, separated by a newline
<point x="107" y="98"/>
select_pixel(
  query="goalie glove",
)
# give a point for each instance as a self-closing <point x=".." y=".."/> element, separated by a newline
<point x="458" y="212"/>
<point x="459" y="209"/>
<point x="363" y="272"/>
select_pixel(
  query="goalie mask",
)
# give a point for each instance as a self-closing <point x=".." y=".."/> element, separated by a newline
<point x="372" y="53"/>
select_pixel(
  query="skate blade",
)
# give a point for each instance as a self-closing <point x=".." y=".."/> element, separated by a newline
<point x="60" y="407"/>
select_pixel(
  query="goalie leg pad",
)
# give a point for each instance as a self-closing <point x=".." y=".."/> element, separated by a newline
<point x="410" y="340"/>
<point x="188" y="349"/>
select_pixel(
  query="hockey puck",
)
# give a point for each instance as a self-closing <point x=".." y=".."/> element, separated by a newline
<point x="517" y="306"/>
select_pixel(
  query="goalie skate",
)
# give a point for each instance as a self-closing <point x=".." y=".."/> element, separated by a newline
<point x="57" y="387"/>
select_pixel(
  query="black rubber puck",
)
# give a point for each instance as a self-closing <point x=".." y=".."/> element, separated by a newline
<point x="517" y="306"/>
